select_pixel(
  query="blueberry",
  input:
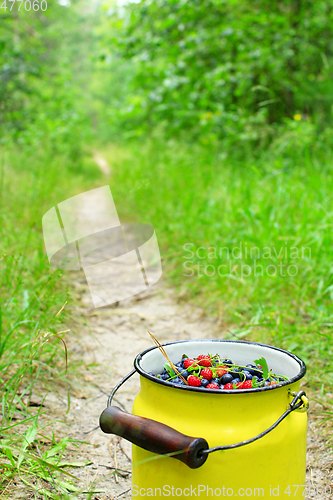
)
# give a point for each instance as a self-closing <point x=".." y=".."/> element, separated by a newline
<point x="235" y="372"/>
<point x="215" y="381"/>
<point x="254" y="370"/>
<point x="165" y="376"/>
<point x="204" y="382"/>
<point x="226" y="378"/>
<point x="183" y="373"/>
<point x="179" y="364"/>
<point x="248" y="375"/>
<point x="227" y="362"/>
<point x="177" y="380"/>
<point x="236" y="381"/>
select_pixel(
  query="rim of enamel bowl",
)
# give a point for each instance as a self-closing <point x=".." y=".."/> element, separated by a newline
<point x="145" y="374"/>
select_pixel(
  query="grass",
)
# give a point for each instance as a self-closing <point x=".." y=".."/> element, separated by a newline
<point x="212" y="207"/>
<point x="32" y="330"/>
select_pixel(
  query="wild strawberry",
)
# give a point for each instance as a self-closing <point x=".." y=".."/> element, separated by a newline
<point x="228" y="386"/>
<point x="194" y="381"/>
<point x="207" y="373"/>
<point x="212" y="386"/>
<point x="245" y="385"/>
<point x="220" y="371"/>
<point x="189" y="362"/>
<point x="273" y="383"/>
<point x="204" y="360"/>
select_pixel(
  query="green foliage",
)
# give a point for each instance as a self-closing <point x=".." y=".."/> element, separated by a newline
<point x="44" y="76"/>
<point x="263" y="363"/>
<point x="46" y="61"/>
<point x="31" y="351"/>
<point x="224" y="67"/>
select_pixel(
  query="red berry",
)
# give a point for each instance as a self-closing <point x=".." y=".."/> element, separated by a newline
<point x="273" y="383"/>
<point x="204" y="360"/>
<point x="228" y="386"/>
<point x="245" y="385"/>
<point x="194" y="381"/>
<point x="188" y="362"/>
<point x="212" y="386"/>
<point x="207" y="374"/>
<point x="220" y="370"/>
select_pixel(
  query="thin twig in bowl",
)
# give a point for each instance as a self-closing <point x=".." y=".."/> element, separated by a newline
<point x="159" y="345"/>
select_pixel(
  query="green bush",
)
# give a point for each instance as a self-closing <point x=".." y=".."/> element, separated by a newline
<point x="44" y="76"/>
<point x="225" y="67"/>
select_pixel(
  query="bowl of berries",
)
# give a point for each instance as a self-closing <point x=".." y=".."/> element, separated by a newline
<point x="209" y="405"/>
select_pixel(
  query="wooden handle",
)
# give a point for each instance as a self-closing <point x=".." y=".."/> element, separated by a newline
<point x="154" y="436"/>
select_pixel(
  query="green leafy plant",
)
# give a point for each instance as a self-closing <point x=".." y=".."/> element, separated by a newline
<point x="223" y="68"/>
<point x="261" y="362"/>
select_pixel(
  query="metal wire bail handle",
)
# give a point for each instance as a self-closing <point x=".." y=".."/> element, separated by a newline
<point x="300" y="403"/>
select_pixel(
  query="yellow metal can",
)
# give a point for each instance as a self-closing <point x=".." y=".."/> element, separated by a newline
<point x="271" y="465"/>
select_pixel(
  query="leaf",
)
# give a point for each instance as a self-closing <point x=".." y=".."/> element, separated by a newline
<point x="28" y="439"/>
<point x="18" y="423"/>
<point x="68" y="486"/>
<point x="169" y="369"/>
<point x="74" y="464"/>
<point x="255" y="382"/>
<point x="33" y="458"/>
<point x="263" y="363"/>
<point x="58" y="448"/>
<point x="9" y="455"/>
<point x="193" y="368"/>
